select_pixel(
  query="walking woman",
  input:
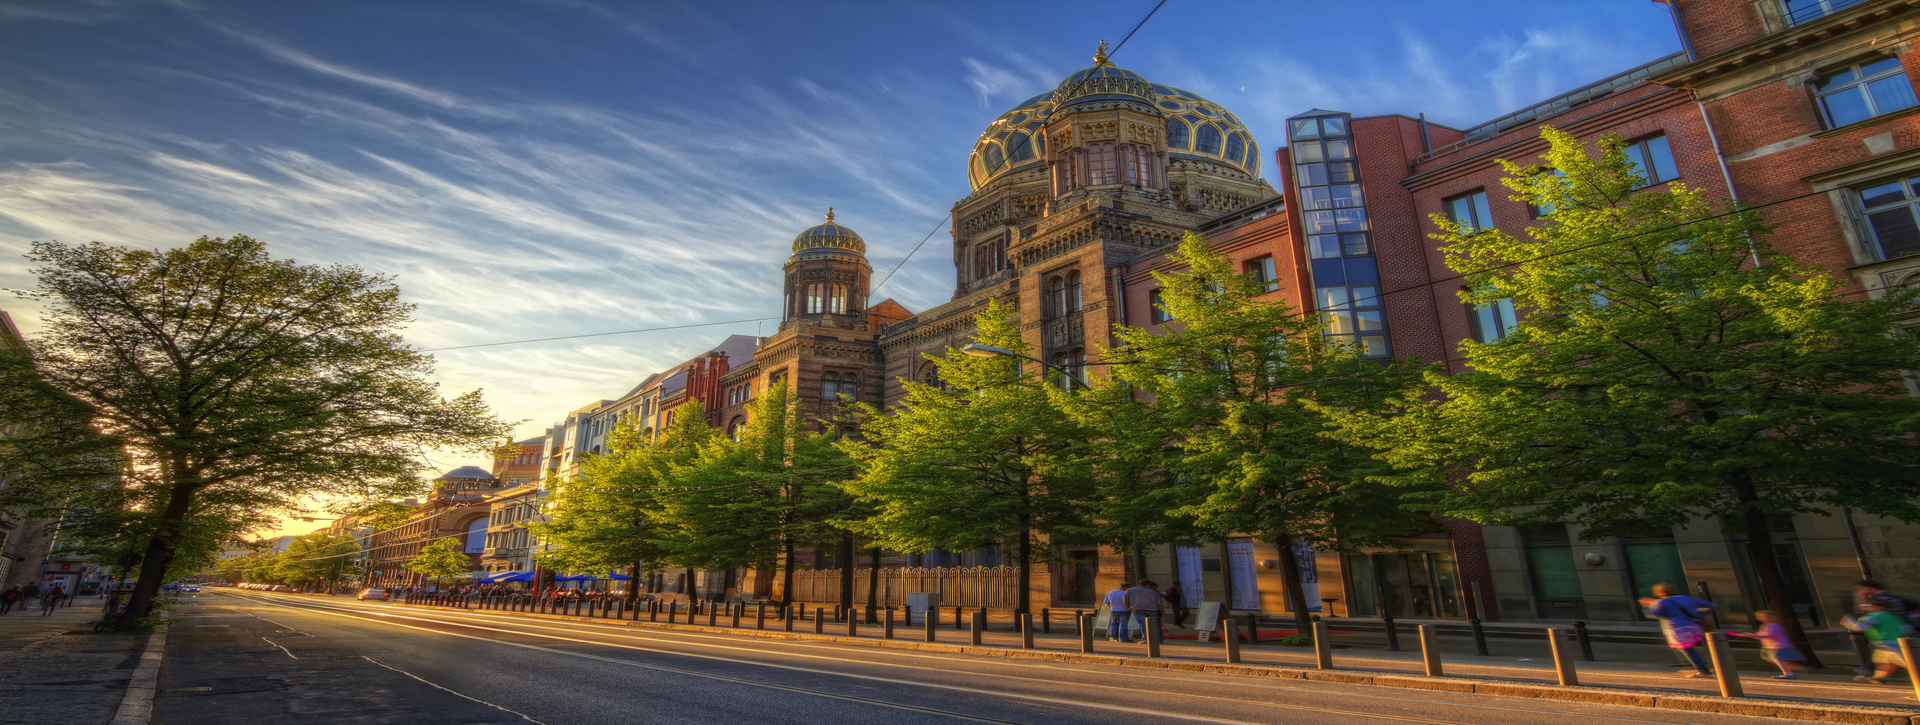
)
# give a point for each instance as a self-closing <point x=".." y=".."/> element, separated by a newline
<point x="1679" y="617"/>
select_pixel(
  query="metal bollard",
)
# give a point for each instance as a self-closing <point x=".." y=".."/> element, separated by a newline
<point x="1430" y="649"/>
<point x="760" y="617"/>
<point x="853" y="625"/>
<point x="958" y="621"/>
<point x="1153" y="635"/>
<point x="873" y="615"/>
<point x="1253" y="629"/>
<point x="1723" y="668"/>
<point x="932" y="623"/>
<point x="1910" y="653"/>
<point x="1026" y="630"/>
<point x="713" y="616"/>
<point x="1479" y="637"/>
<point x="1393" y="635"/>
<point x="1322" y="646"/>
<point x="673" y="612"/>
<point x="1046" y="621"/>
<point x="979" y="624"/>
<point x="819" y="620"/>
<point x="1586" y="641"/>
<point x="786" y="616"/>
<point x="1086" y="632"/>
<point x="887" y="628"/>
<point x="906" y="613"/>
<point x="1562" y="659"/>
<point x="1230" y="632"/>
<point x="653" y="611"/>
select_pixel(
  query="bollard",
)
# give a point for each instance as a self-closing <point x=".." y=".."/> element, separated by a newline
<point x="1153" y="634"/>
<point x="958" y="621"/>
<point x="979" y="624"/>
<point x="853" y="625"/>
<point x="1393" y="635"/>
<point x="760" y="621"/>
<point x="1723" y="668"/>
<point x="906" y="612"/>
<point x="1910" y="654"/>
<point x="1017" y="619"/>
<point x="673" y="612"/>
<point x="1430" y="649"/>
<point x="1046" y="621"/>
<point x="887" y="629"/>
<point x="933" y="615"/>
<point x="713" y="616"/>
<point x="1253" y="628"/>
<point x="1086" y="632"/>
<point x="1230" y="632"/>
<point x="786" y="616"/>
<point x="1322" y="646"/>
<point x="738" y="609"/>
<point x="1479" y="637"/>
<point x="819" y="620"/>
<point x="1586" y="641"/>
<point x="653" y="611"/>
<point x="1026" y="630"/>
<point x="1562" y="659"/>
<point x="932" y="623"/>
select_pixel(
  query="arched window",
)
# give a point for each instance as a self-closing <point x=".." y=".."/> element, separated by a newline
<point x="1101" y="165"/>
<point x="1208" y="140"/>
<point x="930" y="376"/>
<point x="830" y="386"/>
<point x="1176" y="133"/>
<point x="1019" y="148"/>
<point x="816" y="298"/>
<point x="1235" y="147"/>
<point x="839" y="302"/>
<point x="849" y="386"/>
<point x="1073" y="291"/>
<point x="1253" y="158"/>
<point x="734" y="426"/>
<point x="1056" y="302"/>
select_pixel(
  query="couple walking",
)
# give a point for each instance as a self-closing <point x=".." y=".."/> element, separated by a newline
<point x="1139" y="603"/>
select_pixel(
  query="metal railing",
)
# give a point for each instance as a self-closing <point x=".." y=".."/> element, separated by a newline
<point x="1553" y="106"/>
<point x="969" y="586"/>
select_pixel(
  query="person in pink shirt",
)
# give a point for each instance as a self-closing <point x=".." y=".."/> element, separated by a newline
<point x="1775" y="647"/>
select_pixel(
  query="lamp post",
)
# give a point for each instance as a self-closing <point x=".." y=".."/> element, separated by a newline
<point x="978" y="350"/>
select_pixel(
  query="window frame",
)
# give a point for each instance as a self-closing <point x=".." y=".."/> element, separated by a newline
<point x="1156" y="308"/>
<point x="1910" y="199"/>
<point x="1477" y="204"/>
<point x="1262" y="270"/>
<point x="1639" y="151"/>
<point x="1859" y="84"/>
<point x="1493" y="310"/>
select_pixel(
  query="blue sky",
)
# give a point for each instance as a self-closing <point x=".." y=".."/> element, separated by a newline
<point x="536" y="169"/>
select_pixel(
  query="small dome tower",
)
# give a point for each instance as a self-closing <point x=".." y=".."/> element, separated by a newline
<point x="827" y="276"/>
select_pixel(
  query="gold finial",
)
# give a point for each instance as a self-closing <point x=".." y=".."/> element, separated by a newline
<point x="1100" y="55"/>
<point x="829" y="213"/>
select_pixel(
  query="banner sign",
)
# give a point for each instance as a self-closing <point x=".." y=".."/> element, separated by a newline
<point x="1193" y="587"/>
<point x="1246" y="578"/>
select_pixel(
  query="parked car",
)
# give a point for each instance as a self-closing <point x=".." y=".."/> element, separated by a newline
<point x="380" y="594"/>
<point x="190" y="588"/>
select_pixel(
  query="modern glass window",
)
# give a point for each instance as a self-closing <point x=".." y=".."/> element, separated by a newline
<point x="1339" y="244"/>
<point x="1470" y="211"/>
<point x="1890" y="212"/>
<point x="1353" y="314"/>
<point x="1262" y="271"/>
<point x="1653" y="157"/>
<point x="1176" y="133"/>
<point x="1208" y="140"/>
<point x="1545" y="208"/>
<point x="1494" y="321"/>
<point x="1160" y="313"/>
<point x="1863" y="90"/>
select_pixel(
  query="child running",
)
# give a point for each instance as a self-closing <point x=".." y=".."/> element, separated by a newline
<point x="1775" y="647"/>
<point x="1884" y="630"/>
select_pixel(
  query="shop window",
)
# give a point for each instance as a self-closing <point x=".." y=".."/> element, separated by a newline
<point x="1872" y="87"/>
<point x="1653" y="157"/>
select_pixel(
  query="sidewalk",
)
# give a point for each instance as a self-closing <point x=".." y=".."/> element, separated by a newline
<point x="1643" y="675"/>
<point x="53" y="668"/>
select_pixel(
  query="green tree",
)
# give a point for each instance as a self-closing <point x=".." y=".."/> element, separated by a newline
<point x="444" y="562"/>
<point x="51" y="454"/>
<point x="319" y="558"/>
<point x="1243" y="387"/>
<point x="993" y="458"/>
<point x="1670" y="366"/>
<point x="239" y="384"/>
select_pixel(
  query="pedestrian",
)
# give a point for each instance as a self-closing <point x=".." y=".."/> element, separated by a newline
<point x="1869" y="590"/>
<point x="1775" y="647"/>
<point x="1679" y="617"/>
<point x="1884" y="630"/>
<point x="8" y="598"/>
<point x="1143" y="602"/>
<point x="1116" y="602"/>
<point x="51" y="599"/>
<point x="1177" y="599"/>
<point x="28" y="594"/>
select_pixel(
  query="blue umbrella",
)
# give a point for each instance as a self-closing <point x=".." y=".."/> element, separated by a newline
<point x="509" y="577"/>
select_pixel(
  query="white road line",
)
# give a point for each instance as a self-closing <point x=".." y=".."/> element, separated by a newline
<point x="522" y="715"/>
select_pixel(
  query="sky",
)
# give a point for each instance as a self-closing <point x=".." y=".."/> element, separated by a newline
<point x="539" y="169"/>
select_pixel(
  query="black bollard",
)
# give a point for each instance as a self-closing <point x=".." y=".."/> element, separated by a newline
<point x="1086" y="632"/>
<point x="1026" y="631"/>
<point x="819" y="620"/>
<point x="887" y="632"/>
<point x="786" y="616"/>
<point x="760" y="621"/>
<point x="1479" y="636"/>
<point x="673" y="612"/>
<point x="1046" y="621"/>
<point x="713" y="616"/>
<point x="737" y="609"/>
<point x="933" y="623"/>
<point x="979" y="624"/>
<point x="853" y="624"/>
<point x="1393" y="636"/>
<point x="1153" y="634"/>
<point x="958" y="621"/>
<point x="1586" y="642"/>
<point x="1253" y="629"/>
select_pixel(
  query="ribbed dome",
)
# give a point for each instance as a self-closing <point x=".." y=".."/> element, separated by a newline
<point x="829" y="238"/>
<point x="1197" y="128"/>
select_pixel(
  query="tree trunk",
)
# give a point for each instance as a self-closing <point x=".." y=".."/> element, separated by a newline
<point x="1767" y="567"/>
<point x="873" y="580"/>
<point x="153" y="566"/>
<point x="846" y="571"/>
<point x="692" y="585"/>
<point x="633" y="585"/>
<point x="1026" y="565"/>
<point x="786" y="575"/>
<point x="1296" y="594"/>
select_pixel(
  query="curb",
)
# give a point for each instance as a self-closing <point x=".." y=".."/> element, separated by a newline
<point x="136" y="707"/>
<point x="1852" y="715"/>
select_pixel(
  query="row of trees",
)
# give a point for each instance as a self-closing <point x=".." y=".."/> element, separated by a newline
<point x="320" y="559"/>
<point x="1667" y="366"/>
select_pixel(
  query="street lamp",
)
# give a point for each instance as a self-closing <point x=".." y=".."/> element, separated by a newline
<point x="978" y="350"/>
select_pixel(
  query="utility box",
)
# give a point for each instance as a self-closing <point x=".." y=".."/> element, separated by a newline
<point x="920" y="603"/>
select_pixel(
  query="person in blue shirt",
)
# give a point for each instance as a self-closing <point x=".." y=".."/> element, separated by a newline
<point x="1117" y="614"/>
<point x="1679" y="617"/>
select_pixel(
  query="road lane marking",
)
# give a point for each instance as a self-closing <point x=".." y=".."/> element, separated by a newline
<point x="522" y="715"/>
<point x="1011" y="695"/>
<point x="617" y="633"/>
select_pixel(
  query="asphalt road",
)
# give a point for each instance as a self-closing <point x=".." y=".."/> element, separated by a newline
<point x="248" y="657"/>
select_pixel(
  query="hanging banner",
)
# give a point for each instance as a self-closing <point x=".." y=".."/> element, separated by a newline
<point x="1309" y="573"/>
<point x="1246" y="578"/>
<point x="1193" y="587"/>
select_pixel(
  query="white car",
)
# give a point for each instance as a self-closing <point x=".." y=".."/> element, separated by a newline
<point x="380" y="594"/>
